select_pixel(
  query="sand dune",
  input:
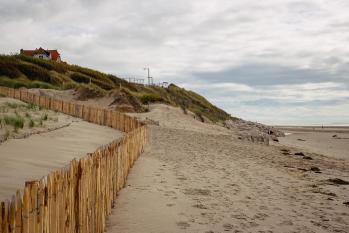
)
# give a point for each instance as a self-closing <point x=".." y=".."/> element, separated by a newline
<point x="37" y="155"/>
<point x="193" y="179"/>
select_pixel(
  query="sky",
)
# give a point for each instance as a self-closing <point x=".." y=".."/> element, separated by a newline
<point x="280" y="62"/>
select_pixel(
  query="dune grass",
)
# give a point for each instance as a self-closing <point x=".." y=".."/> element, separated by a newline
<point x="16" y="121"/>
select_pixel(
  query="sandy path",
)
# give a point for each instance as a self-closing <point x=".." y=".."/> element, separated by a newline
<point x="37" y="155"/>
<point x="190" y="181"/>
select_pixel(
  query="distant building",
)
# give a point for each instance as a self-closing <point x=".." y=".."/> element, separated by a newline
<point x="43" y="54"/>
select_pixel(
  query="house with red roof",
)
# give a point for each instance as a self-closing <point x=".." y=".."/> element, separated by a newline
<point x="47" y="54"/>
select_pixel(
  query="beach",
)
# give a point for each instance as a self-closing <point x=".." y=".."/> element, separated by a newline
<point x="198" y="177"/>
<point x="328" y="141"/>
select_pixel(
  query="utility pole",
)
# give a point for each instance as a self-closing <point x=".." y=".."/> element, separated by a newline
<point x="147" y="68"/>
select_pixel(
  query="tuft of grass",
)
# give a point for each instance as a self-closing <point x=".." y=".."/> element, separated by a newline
<point x="15" y="121"/>
<point x="46" y="64"/>
<point x="70" y="85"/>
<point x="7" y="134"/>
<point x="42" y="85"/>
<point x="13" y="83"/>
<point x="44" y="117"/>
<point x="31" y="123"/>
<point x="14" y="105"/>
<point x="40" y="122"/>
<point x="2" y="95"/>
<point x="184" y="109"/>
<point x="31" y="106"/>
<point x="150" y="98"/>
<point x="86" y="91"/>
<point x="80" y="78"/>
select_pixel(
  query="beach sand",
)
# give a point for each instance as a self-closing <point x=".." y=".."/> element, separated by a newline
<point x="329" y="141"/>
<point x="191" y="178"/>
<point x="37" y="155"/>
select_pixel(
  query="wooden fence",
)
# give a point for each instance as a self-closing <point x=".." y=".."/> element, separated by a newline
<point x="79" y="197"/>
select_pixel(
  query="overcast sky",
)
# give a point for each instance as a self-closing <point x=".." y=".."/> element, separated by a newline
<point x="272" y="61"/>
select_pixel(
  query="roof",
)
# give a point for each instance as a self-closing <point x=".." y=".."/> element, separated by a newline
<point x="54" y="53"/>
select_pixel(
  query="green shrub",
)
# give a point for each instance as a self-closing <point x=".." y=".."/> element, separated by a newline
<point x="150" y="98"/>
<point x="9" y="70"/>
<point x="40" y="122"/>
<point x="103" y="84"/>
<point x="70" y="85"/>
<point x="8" y="66"/>
<point x="46" y="64"/>
<point x="31" y="106"/>
<point x="34" y="72"/>
<point x="39" y="84"/>
<point x="31" y="123"/>
<point x="13" y="83"/>
<point x="102" y="80"/>
<point x="16" y="121"/>
<point x="14" y="105"/>
<point x="80" y="78"/>
<point x="44" y="117"/>
<point x="89" y="91"/>
<point x="7" y="134"/>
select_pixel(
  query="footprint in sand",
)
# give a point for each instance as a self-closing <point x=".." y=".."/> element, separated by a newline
<point x="203" y="192"/>
<point x="200" y="206"/>
<point x="183" y="225"/>
<point x="228" y="227"/>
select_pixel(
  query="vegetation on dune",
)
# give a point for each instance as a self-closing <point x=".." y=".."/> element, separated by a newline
<point x="15" y="121"/>
<point x="18" y="71"/>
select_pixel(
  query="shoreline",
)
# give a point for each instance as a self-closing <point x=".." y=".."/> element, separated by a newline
<point x="330" y="129"/>
<point x="328" y="141"/>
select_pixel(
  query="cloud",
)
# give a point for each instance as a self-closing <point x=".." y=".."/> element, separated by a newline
<point x="249" y="51"/>
<point x="272" y="74"/>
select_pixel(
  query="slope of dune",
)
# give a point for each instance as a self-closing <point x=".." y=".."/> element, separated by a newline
<point x="22" y="71"/>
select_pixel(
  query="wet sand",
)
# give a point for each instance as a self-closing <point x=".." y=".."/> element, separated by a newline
<point x="193" y="179"/>
<point x="328" y="141"/>
<point x="34" y="157"/>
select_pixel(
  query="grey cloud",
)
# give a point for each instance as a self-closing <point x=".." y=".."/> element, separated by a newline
<point x="270" y="74"/>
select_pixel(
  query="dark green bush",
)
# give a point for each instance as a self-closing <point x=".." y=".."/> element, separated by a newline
<point x="150" y="98"/>
<point x="38" y="84"/>
<point x="89" y="91"/>
<point x="34" y="72"/>
<point x="13" y="83"/>
<point x="102" y="84"/>
<point x="8" y="67"/>
<point x="9" y="70"/>
<point x="47" y="64"/>
<point x="108" y="81"/>
<point x="15" y="121"/>
<point x="80" y="78"/>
